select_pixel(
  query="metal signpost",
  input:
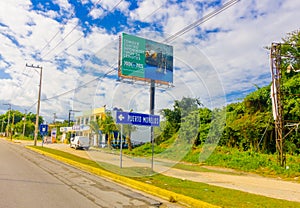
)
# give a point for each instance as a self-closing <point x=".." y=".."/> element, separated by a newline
<point x="140" y="120"/>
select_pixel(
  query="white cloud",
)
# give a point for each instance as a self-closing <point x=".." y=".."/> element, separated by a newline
<point x="96" y="13"/>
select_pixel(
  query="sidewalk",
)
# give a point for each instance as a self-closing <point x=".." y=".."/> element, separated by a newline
<point x="274" y="188"/>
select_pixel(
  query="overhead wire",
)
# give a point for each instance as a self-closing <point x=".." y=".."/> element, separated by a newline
<point x="74" y="89"/>
<point x="48" y="42"/>
<point x="169" y="39"/>
<point x="85" y="84"/>
<point x="62" y="40"/>
<point x="79" y="87"/>
<point x="53" y="37"/>
<point x="201" y="20"/>
<point x="73" y="43"/>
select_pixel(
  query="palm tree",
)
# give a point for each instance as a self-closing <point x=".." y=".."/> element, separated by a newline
<point x="128" y="129"/>
<point x="107" y="126"/>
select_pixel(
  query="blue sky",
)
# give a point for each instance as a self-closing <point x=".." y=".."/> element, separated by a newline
<point x="76" y="43"/>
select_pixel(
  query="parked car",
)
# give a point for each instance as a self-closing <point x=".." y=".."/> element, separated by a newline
<point x="80" y="142"/>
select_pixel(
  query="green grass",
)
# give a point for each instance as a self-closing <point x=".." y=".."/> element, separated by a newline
<point x="134" y="172"/>
<point x="21" y="137"/>
<point x="215" y="195"/>
<point x="249" y="161"/>
<point x="212" y="194"/>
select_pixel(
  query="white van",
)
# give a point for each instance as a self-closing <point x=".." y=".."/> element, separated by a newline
<point x="80" y="142"/>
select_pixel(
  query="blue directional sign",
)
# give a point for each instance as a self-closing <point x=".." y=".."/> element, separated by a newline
<point x="137" y="119"/>
<point x="43" y="129"/>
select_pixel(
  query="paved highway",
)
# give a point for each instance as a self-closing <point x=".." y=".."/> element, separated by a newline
<point x="28" y="179"/>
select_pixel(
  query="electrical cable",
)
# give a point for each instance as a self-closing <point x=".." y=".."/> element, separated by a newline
<point x="48" y="42"/>
<point x="169" y="39"/>
<point x="82" y="35"/>
<point x="201" y="20"/>
<point x="263" y="133"/>
<point x="62" y="40"/>
<point x="74" y="89"/>
<point x="85" y="84"/>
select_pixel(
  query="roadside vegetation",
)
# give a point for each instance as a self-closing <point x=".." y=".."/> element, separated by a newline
<point x="246" y="161"/>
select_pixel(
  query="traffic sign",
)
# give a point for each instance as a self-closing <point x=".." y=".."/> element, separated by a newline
<point x="137" y="119"/>
<point x="43" y="129"/>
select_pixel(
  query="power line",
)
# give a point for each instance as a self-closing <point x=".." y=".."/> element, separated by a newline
<point x="48" y="42"/>
<point x="153" y="12"/>
<point x="85" y="84"/>
<point x="201" y="20"/>
<point x="74" y="89"/>
<point x="62" y="40"/>
<point x="169" y="39"/>
<point x="82" y="35"/>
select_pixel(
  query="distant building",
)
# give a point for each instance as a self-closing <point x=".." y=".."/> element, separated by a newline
<point x="84" y="125"/>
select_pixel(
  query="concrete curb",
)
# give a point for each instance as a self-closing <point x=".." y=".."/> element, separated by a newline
<point x="153" y="190"/>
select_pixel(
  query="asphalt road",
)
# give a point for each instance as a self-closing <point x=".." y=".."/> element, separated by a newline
<point x="28" y="179"/>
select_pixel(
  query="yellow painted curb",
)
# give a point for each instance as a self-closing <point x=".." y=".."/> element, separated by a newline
<point x="153" y="190"/>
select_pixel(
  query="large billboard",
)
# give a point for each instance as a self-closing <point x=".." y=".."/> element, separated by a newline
<point x="144" y="59"/>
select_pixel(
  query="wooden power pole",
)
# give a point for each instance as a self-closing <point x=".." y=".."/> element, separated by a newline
<point x="39" y="102"/>
<point x="277" y="99"/>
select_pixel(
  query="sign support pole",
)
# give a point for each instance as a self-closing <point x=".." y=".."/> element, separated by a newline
<point x="152" y="102"/>
<point x="121" y="144"/>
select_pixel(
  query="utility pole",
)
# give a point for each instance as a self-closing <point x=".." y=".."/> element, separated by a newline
<point x="70" y="111"/>
<point x="24" y="123"/>
<point x="2" y="125"/>
<point x="277" y="99"/>
<point x="12" y="126"/>
<point x="39" y="102"/>
<point x="9" y="109"/>
<point x="54" y="118"/>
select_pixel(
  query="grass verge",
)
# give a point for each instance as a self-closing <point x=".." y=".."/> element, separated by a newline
<point x="193" y="193"/>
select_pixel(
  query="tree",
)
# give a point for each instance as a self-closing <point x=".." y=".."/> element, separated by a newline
<point x="127" y="130"/>
<point x="17" y="121"/>
<point x="174" y="118"/>
<point x="107" y="126"/>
